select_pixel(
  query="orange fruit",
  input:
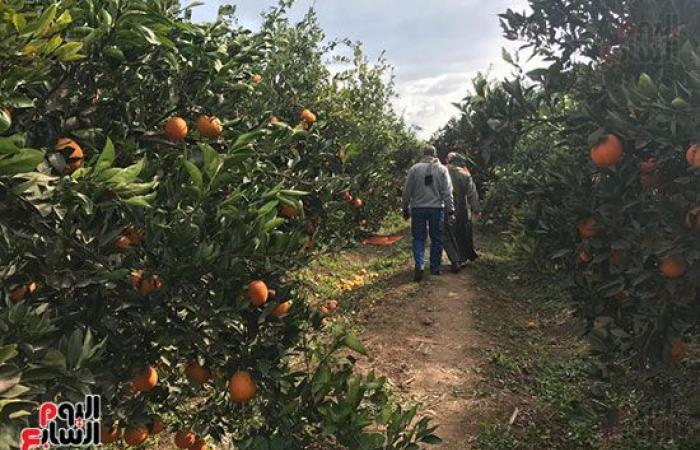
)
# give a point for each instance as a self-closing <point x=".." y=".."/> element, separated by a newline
<point x="71" y="152"/>
<point x="199" y="444"/>
<point x="341" y="154"/>
<point x="241" y="387"/>
<point x="257" y="293"/>
<point x="358" y="203"/>
<point x="145" y="381"/>
<point x="109" y="435"/>
<point x="18" y="294"/>
<point x="332" y="304"/>
<point x="209" y="126"/>
<point x="256" y="78"/>
<point x="347" y="197"/>
<point x="135" y="436"/>
<point x="185" y="439"/>
<point x="123" y="242"/>
<point x="693" y="155"/>
<point x="692" y="219"/>
<point x="678" y="350"/>
<point x="531" y="324"/>
<point x="308" y="117"/>
<point x="673" y="267"/>
<point x="288" y="211"/>
<point x="648" y="165"/>
<point x="309" y="229"/>
<point x="282" y="309"/>
<point x="176" y="129"/>
<point x="133" y="234"/>
<point x="324" y="309"/>
<point x="157" y="424"/>
<point x="588" y="228"/>
<point x="196" y="373"/>
<point x="274" y="120"/>
<point x="148" y="285"/>
<point x="607" y="152"/>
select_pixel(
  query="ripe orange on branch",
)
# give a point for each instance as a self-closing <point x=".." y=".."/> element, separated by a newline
<point x="358" y="203"/>
<point x="72" y="153"/>
<point x="257" y="293"/>
<point x="288" y="211"/>
<point x="308" y="117"/>
<point x="673" y="267"/>
<point x="209" y="126"/>
<point x="145" y="381"/>
<point x="241" y="387"/>
<point x="21" y="292"/>
<point x="196" y="373"/>
<point x="607" y="152"/>
<point x="693" y="155"/>
<point x="588" y="228"/>
<point x="109" y="435"/>
<point x="282" y="309"/>
<point x="136" y="435"/>
<point x="157" y="424"/>
<point x="185" y="439"/>
<point x="176" y="129"/>
<point x="199" y="444"/>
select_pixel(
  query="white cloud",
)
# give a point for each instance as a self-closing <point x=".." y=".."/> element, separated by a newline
<point x="436" y="47"/>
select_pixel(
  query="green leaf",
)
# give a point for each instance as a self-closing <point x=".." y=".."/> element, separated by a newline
<point x="646" y="86"/>
<point x="106" y="158"/>
<point x="25" y="160"/>
<point x="114" y="53"/>
<point x="195" y="173"/>
<point x="7" y="352"/>
<point x="212" y="160"/>
<point x="352" y="342"/>
<point x="54" y="359"/>
<point x="273" y="224"/>
<point x="42" y="26"/>
<point x="142" y="200"/>
<point x="246" y="138"/>
<point x="69" y="51"/>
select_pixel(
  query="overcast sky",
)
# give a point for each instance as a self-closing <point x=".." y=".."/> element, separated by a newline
<point x="435" y="46"/>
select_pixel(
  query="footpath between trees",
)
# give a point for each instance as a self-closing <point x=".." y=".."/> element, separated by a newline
<point x="495" y="357"/>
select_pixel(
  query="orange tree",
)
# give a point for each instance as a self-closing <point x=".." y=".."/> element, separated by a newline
<point x="611" y="192"/>
<point x="150" y="211"/>
<point x="353" y="109"/>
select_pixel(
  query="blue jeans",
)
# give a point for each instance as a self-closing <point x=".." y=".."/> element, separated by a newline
<point x="424" y="220"/>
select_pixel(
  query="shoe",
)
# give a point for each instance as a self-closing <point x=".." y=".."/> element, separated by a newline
<point x="456" y="267"/>
<point x="418" y="275"/>
<point x="436" y="274"/>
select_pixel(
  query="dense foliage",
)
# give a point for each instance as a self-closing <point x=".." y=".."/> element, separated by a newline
<point x="602" y="174"/>
<point x="144" y="184"/>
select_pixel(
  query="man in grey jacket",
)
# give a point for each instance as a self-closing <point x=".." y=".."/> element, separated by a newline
<point x="428" y="194"/>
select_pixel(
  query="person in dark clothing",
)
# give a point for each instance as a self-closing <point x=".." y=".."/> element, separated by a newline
<point x="427" y="198"/>
<point x="458" y="237"/>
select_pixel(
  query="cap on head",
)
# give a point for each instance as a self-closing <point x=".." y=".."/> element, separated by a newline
<point x="430" y="150"/>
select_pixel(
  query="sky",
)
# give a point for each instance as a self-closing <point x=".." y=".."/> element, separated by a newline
<point x="436" y="47"/>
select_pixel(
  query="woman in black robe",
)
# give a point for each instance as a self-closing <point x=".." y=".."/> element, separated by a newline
<point x="458" y="238"/>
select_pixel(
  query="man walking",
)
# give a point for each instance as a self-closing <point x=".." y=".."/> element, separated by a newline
<point x="428" y="194"/>
<point x="459" y="241"/>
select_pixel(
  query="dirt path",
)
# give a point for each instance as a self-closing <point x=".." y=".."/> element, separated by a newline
<point x="424" y="340"/>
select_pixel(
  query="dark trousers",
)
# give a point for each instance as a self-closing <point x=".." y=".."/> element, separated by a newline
<point x="426" y="221"/>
